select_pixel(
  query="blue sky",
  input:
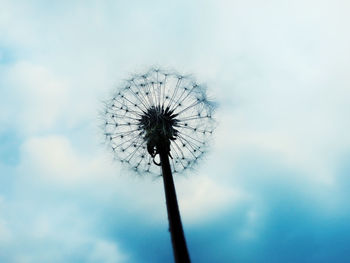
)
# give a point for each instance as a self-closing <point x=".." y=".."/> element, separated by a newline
<point x="275" y="186"/>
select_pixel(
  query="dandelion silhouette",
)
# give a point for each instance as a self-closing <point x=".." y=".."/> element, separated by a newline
<point x="156" y="117"/>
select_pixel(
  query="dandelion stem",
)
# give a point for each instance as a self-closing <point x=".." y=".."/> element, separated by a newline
<point x="180" y="251"/>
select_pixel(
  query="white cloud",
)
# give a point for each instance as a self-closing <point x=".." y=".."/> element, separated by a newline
<point x="51" y="229"/>
<point x="249" y="232"/>
<point x="53" y="237"/>
<point x="201" y="198"/>
<point x="5" y="232"/>
<point x="53" y="159"/>
<point x="106" y="252"/>
<point x="54" y="162"/>
<point x="283" y="83"/>
<point x="33" y="98"/>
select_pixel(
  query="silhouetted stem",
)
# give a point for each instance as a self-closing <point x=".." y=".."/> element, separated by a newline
<point x="175" y="226"/>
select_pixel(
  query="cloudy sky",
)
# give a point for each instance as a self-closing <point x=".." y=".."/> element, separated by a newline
<point x="273" y="188"/>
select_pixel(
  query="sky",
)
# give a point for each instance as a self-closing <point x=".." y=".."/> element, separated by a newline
<point x="273" y="188"/>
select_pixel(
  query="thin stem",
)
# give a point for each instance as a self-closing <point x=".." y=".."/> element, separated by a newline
<point x="175" y="226"/>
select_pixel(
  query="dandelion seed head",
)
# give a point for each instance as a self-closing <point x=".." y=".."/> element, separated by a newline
<point x="159" y="109"/>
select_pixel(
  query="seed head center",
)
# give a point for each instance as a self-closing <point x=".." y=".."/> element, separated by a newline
<point x="158" y="126"/>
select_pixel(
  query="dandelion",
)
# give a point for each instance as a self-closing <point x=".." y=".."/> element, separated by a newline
<point x="161" y="118"/>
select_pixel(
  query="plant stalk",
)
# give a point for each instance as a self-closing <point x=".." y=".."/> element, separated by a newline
<point x="178" y="241"/>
